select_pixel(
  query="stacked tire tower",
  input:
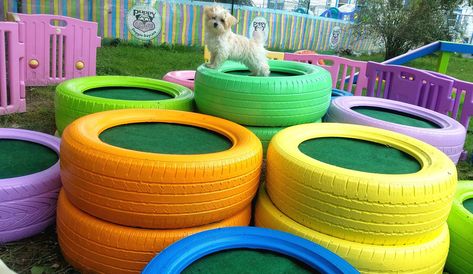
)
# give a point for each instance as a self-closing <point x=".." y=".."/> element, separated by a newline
<point x="383" y="207"/>
<point x="294" y="93"/>
<point x="124" y="202"/>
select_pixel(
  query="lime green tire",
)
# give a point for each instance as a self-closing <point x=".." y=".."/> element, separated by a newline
<point x="294" y="93"/>
<point x="460" y="223"/>
<point x="370" y="207"/>
<point x="72" y="100"/>
<point x="422" y="258"/>
<point x="265" y="134"/>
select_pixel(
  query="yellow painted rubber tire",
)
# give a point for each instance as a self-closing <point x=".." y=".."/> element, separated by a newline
<point x="373" y="208"/>
<point x="96" y="246"/>
<point x="155" y="190"/>
<point x="422" y="258"/>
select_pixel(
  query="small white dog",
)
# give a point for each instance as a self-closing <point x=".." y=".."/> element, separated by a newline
<point x="223" y="44"/>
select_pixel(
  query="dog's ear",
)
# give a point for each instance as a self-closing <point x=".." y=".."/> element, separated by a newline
<point x="230" y="20"/>
<point x="209" y="11"/>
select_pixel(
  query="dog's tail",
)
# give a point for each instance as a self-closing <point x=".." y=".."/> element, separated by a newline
<point x="258" y="37"/>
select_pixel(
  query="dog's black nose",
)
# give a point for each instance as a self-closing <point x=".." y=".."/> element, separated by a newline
<point x="215" y="25"/>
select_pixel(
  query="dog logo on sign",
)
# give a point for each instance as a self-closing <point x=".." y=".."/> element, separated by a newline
<point x="335" y="37"/>
<point x="260" y="24"/>
<point x="144" y="22"/>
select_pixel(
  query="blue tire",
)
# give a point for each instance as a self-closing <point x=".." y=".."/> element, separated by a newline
<point x="338" y="92"/>
<point x="183" y="253"/>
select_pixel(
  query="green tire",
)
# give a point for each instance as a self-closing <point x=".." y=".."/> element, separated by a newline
<point x="460" y="223"/>
<point x="71" y="102"/>
<point x="299" y="94"/>
<point x="265" y="134"/>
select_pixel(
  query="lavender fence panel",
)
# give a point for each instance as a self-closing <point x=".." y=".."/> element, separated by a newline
<point x="411" y="86"/>
<point x="344" y="71"/>
<point x="12" y="69"/>
<point x="58" y="48"/>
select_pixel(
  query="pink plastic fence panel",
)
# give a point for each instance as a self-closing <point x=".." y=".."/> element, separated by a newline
<point x="345" y="72"/>
<point x="12" y="69"/>
<point x="58" y="48"/>
<point x="411" y="86"/>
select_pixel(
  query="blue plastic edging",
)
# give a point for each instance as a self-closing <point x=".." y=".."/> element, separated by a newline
<point x="417" y="53"/>
<point x="456" y="47"/>
<point x="338" y="92"/>
<point x="178" y="256"/>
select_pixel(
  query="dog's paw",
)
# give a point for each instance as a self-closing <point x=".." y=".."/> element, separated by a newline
<point x="209" y="65"/>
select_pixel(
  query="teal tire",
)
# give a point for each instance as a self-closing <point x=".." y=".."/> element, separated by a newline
<point x="460" y="223"/>
<point x="294" y="93"/>
<point x="72" y="100"/>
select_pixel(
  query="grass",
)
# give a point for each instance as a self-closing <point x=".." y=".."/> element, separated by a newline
<point x="41" y="254"/>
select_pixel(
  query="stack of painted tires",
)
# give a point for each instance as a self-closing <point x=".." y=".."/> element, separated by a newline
<point x="294" y="93"/>
<point x="29" y="186"/>
<point x="135" y="182"/>
<point x="460" y="223"/>
<point x="81" y="96"/>
<point x="377" y="198"/>
<point x="434" y="128"/>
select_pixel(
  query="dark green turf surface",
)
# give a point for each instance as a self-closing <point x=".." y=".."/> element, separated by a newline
<point x="165" y="138"/>
<point x="360" y="155"/>
<point x="20" y="158"/>
<point x="246" y="261"/>
<point x="395" y="117"/>
<point x="468" y="204"/>
<point x="128" y="93"/>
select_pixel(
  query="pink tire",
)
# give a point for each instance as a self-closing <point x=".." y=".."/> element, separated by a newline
<point x="449" y="137"/>
<point x="181" y="77"/>
<point x="28" y="203"/>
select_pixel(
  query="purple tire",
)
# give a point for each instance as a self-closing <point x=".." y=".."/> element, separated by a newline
<point x="449" y="137"/>
<point x="181" y="77"/>
<point x="28" y="203"/>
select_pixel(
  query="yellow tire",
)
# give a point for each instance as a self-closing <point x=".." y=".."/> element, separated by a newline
<point x="421" y="258"/>
<point x="155" y="190"/>
<point x="364" y="207"/>
<point x="96" y="246"/>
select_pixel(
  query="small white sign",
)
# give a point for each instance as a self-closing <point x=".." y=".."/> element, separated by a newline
<point x="144" y="22"/>
<point x="335" y="37"/>
<point x="260" y="24"/>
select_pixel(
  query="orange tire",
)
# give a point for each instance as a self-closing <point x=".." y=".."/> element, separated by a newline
<point x="96" y="246"/>
<point x="154" y="190"/>
<point x="306" y="51"/>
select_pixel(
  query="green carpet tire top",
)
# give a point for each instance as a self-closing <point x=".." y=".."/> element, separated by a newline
<point x="360" y="183"/>
<point x="294" y="93"/>
<point x="173" y="181"/>
<point x="460" y="223"/>
<point x="422" y="258"/>
<point x="81" y="96"/>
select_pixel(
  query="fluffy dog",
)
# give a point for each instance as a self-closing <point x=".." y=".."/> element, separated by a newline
<point x="223" y="44"/>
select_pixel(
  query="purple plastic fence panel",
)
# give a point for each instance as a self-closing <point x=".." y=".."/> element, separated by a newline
<point x="461" y="89"/>
<point x="58" y="48"/>
<point x="347" y="75"/>
<point x="411" y="86"/>
<point x="12" y="69"/>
